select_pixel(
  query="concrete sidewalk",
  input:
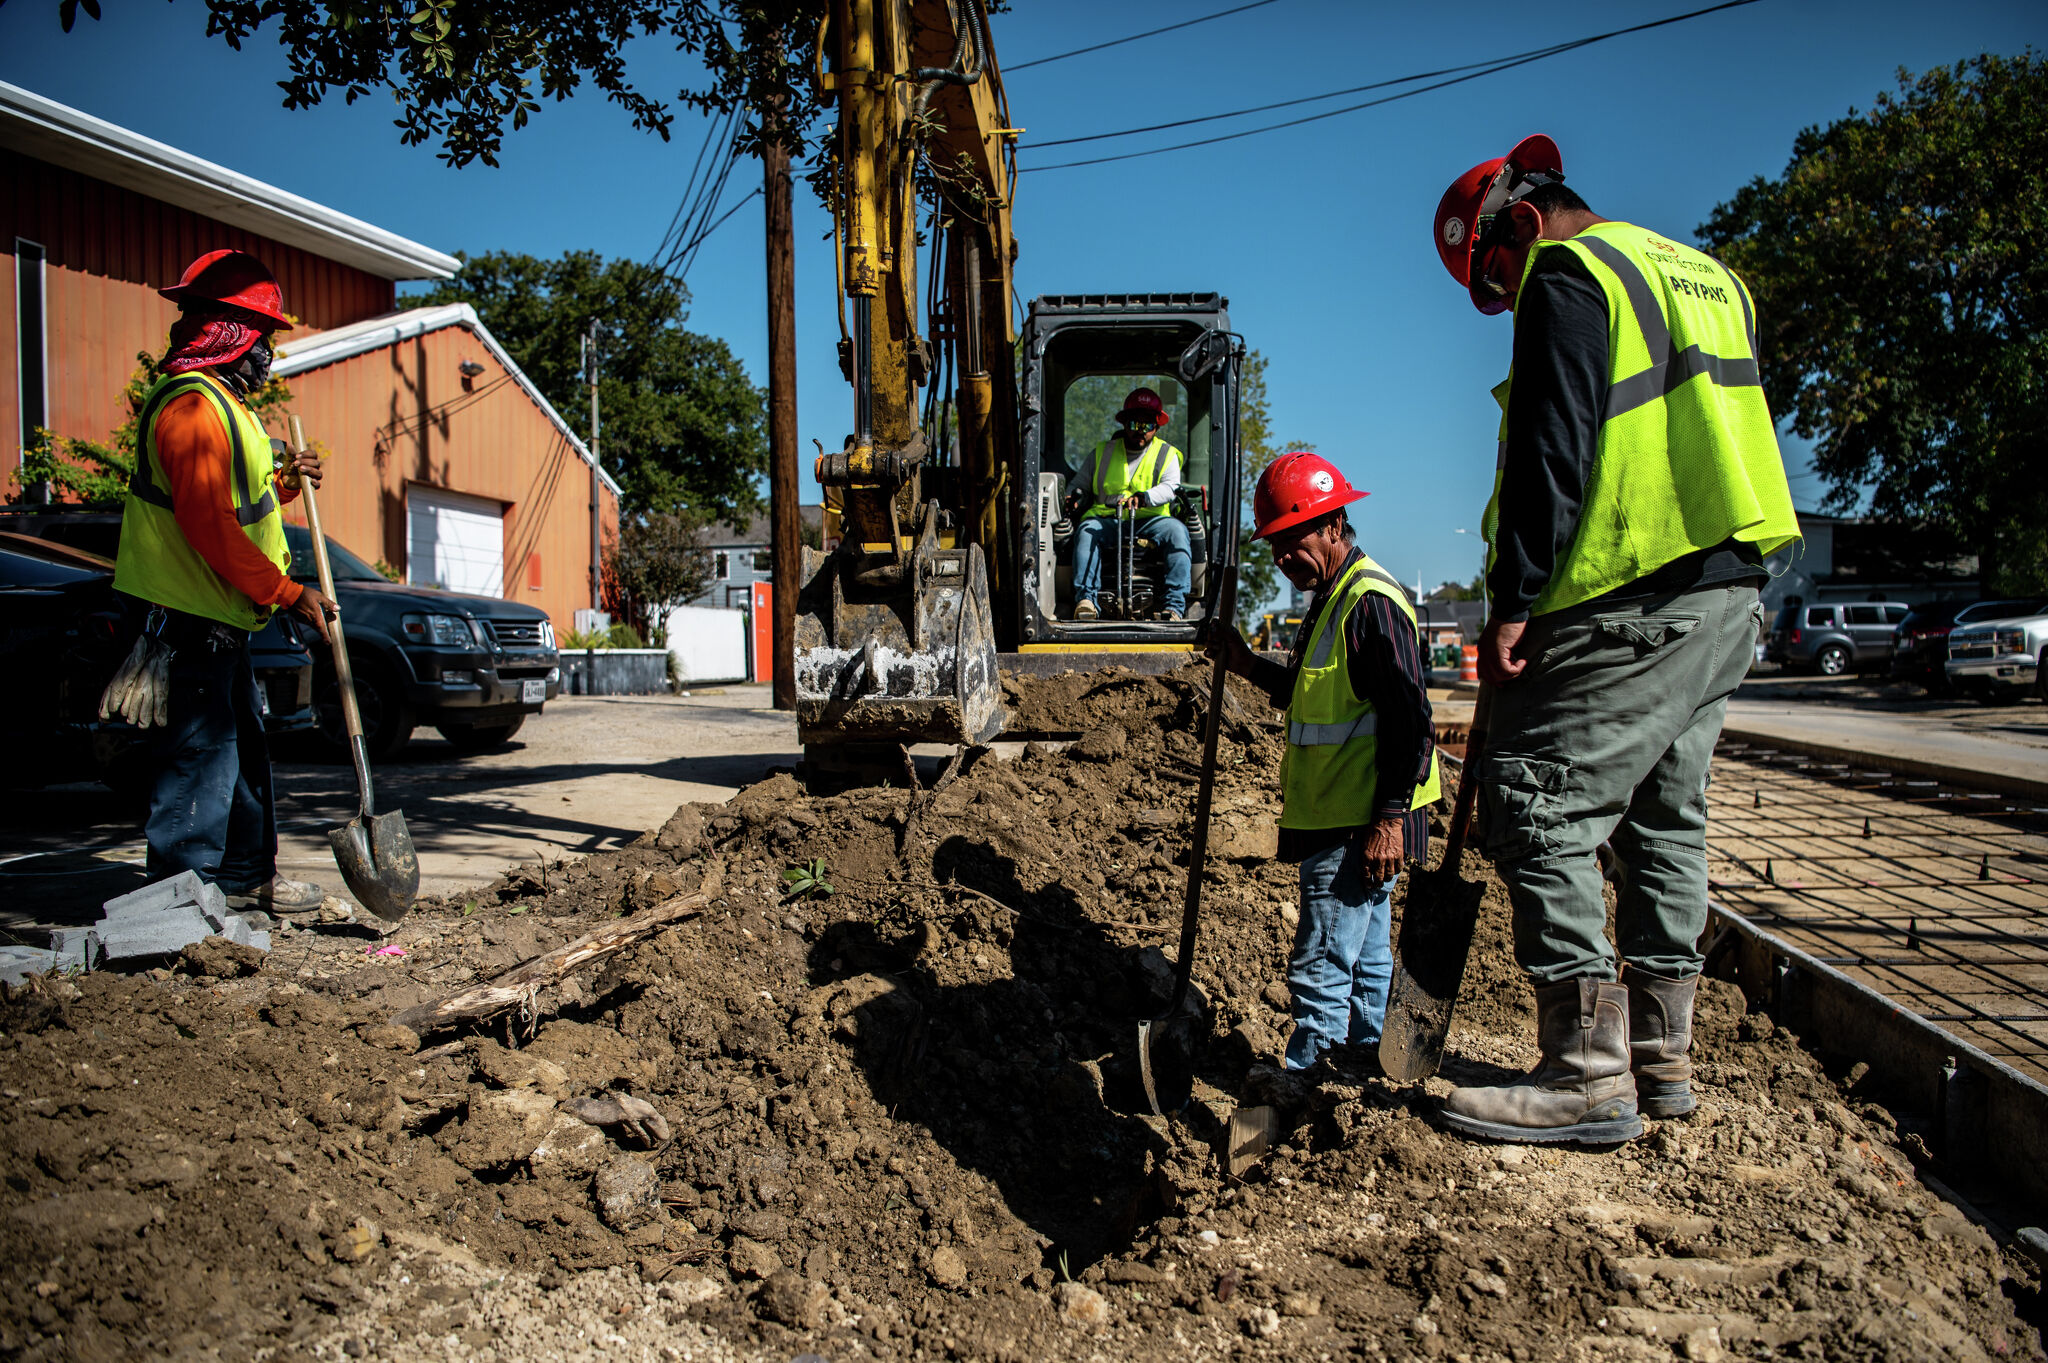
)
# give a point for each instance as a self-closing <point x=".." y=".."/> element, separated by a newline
<point x="2005" y="750"/>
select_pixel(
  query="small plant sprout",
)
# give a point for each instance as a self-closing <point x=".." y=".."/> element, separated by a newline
<point x="805" y="879"/>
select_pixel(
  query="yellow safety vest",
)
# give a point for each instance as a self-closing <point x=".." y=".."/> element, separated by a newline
<point x="1115" y="477"/>
<point x="1329" y="774"/>
<point x="155" y="562"/>
<point x="1687" y="454"/>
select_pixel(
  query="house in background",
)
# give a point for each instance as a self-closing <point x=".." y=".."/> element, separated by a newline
<point x="1850" y="558"/>
<point x="448" y="464"/>
<point x="740" y="558"/>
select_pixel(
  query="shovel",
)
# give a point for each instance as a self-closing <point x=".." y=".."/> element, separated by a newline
<point x="1436" y="935"/>
<point x="1174" y="1022"/>
<point x="374" y="851"/>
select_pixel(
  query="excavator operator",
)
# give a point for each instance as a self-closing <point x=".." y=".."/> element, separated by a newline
<point x="1141" y="477"/>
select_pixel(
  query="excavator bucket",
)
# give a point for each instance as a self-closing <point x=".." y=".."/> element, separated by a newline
<point x="897" y="652"/>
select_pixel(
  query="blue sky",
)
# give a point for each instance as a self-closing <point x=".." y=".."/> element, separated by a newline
<point x="1319" y="235"/>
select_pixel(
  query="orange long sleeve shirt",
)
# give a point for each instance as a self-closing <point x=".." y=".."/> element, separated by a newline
<point x="198" y="462"/>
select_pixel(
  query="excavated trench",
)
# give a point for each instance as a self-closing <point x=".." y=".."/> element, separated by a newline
<point x="902" y="1119"/>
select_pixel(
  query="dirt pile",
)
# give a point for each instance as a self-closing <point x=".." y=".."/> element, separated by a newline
<point x="896" y="1119"/>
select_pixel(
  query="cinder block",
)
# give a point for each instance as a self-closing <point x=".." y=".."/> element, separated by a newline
<point x="239" y="929"/>
<point x="18" y="963"/>
<point x="76" y="947"/>
<point x="159" y="934"/>
<point x="183" y="888"/>
<point x="214" y="905"/>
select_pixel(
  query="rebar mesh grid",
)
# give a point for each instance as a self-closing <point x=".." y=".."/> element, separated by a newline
<point x="1932" y="894"/>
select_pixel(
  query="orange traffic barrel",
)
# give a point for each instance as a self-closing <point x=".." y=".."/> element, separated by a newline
<point x="1469" y="670"/>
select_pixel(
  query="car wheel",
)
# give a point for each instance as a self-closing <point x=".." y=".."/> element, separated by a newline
<point x="388" y="719"/>
<point x="1832" y="661"/>
<point x="479" y="737"/>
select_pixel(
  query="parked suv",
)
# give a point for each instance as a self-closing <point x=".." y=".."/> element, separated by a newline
<point x="474" y="667"/>
<point x="1830" y="639"/>
<point x="1999" y="660"/>
<point x="1920" y="648"/>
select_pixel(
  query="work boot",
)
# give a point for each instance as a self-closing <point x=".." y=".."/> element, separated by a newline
<point x="280" y="896"/>
<point x="1659" y="1036"/>
<point x="1580" y="1091"/>
<point x="1170" y="613"/>
<point x="1085" y="610"/>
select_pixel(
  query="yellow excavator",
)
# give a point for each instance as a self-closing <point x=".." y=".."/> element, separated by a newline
<point x="947" y="552"/>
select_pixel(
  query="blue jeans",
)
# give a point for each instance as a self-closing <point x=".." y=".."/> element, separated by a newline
<point x="1343" y="959"/>
<point x="210" y="810"/>
<point x="1095" y="531"/>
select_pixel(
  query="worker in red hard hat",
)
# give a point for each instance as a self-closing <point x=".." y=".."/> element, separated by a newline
<point x="1638" y="489"/>
<point x="1361" y="755"/>
<point x="202" y="541"/>
<point x="1133" y="475"/>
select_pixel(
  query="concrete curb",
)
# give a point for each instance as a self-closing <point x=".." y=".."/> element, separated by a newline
<point x="1972" y="778"/>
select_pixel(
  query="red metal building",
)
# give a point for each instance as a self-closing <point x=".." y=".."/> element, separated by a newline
<point x="449" y="465"/>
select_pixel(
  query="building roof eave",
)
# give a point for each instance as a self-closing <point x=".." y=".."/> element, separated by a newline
<point x="324" y="348"/>
<point x="63" y="136"/>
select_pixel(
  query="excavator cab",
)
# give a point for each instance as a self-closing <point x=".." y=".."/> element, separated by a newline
<point x="1082" y="354"/>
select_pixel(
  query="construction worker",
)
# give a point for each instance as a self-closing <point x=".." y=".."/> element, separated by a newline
<point x="202" y="540"/>
<point x="1132" y="471"/>
<point x="1639" y="488"/>
<point x="1361" y="754"/>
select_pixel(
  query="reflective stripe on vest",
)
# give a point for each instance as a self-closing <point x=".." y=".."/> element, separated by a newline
<point x="1110" y="480"/>
<point x="1687" y="455"/>
<point x="1329" y="776"/>
<point x="155" y="562"/>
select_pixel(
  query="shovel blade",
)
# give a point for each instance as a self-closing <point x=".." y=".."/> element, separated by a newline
<point x="374" y="852"/>
<point x="1437" y="926"/>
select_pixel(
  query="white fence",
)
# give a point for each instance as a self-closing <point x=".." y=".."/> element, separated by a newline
<point x="709" y="645"/>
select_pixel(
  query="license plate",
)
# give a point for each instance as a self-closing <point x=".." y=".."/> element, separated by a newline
<point x="533" y="692"/>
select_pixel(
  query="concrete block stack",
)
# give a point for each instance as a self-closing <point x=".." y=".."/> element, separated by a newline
<point x="168" y="916"/>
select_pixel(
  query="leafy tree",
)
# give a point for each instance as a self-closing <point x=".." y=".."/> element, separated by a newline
<point x="657" y="563"/>
<point x="682" y="428"/>
<point x="1258" y="579"/>
<point x="97" y="471"/>
<point x="1900" y="266"/>
<point x="460" y="72"/>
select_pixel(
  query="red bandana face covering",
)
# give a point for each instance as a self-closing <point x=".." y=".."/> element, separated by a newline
<point x="207" y="340"/>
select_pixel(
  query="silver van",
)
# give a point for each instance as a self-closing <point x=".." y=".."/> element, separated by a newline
<point x="1831" y="639"/>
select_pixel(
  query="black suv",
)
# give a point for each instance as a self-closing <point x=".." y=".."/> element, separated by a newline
<point x="473" y="667"/>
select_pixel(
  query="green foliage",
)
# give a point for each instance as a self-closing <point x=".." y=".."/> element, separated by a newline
<point x="805" y="879"/>
<point x="657" y="563"/>
<point x="1258" y="579"/>
<point x="459" y="73"/>
<point x="682" y="427"/>
<point x="620" y="635"/>
<point x="387" y="572"/>
<point x="1900" y="267"/>
<point x="93" y="471"/>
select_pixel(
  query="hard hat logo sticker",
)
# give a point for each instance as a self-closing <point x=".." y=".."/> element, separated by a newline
<point x="1454" y="231"/>
<point x="1322" y="481"/>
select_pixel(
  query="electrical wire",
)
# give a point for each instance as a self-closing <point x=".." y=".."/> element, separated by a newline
<point x="1150" y="33"/>
<point x="1502" y="64"/>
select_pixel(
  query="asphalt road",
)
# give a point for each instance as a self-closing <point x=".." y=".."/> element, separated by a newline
<point x="591" y="772"/>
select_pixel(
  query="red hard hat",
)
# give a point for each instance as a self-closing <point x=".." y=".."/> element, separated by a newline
<point x="1483" y="191"/>
<point x="233" y="279"/>
<point x="1146" y="401"/>
<point x="1298" y="487"/>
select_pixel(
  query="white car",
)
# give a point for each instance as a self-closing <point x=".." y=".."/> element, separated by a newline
<point x="1998" y="660"/>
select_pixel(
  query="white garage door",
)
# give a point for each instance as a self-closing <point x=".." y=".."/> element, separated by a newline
<point x="455" y="542"/>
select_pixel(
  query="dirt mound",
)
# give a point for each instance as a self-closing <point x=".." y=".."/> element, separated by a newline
<point x="897" y="1118"/>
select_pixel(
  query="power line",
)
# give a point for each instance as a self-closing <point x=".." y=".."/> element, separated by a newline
<point x="1502" y="64"/>
<point x="1150" y="33"/>
<point x="697" y="242"/>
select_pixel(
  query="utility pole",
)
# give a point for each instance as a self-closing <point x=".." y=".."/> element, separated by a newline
<point x="784" y="519"/>
<point x="596" y="483"/>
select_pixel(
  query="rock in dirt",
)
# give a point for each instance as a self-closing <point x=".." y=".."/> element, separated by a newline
<point x="628" y="1193"/>
<point x="1263" y="1322"/>
<point x="507" y="1069"/>
<point x="632" y="1118"/>
<point x="1081" y="1306"/>
<point x="791" y="1299"/>
<point x="1301" y="1304"/>
<point x="219" y="957"/>
<point x="751" y="1259"/>
<point x="390" y="1036"/>
<point x="353" y="1243"/>
<point x="947" y="1268"/>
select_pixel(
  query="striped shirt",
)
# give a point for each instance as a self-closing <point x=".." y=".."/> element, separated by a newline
<point x="1385" y="661"/>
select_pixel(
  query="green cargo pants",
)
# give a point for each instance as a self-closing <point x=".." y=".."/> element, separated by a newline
<point x="1607" y="738"/>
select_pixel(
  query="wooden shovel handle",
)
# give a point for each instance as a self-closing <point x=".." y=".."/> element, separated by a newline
<point x="351" y="717"/>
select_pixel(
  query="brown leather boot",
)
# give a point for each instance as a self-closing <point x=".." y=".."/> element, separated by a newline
<point x="1659" y="1036"/>
<point x="1580" y="1091"/>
